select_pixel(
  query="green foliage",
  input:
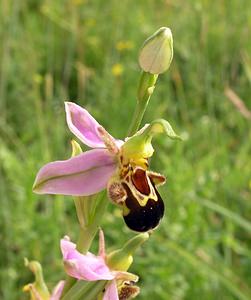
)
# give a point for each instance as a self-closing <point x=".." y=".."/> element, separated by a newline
<point x="86" y="52"/>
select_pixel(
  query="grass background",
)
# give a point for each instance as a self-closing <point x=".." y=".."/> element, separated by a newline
<point x="86" y="51"/>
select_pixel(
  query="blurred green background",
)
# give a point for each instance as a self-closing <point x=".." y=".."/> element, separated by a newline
<point x="86" y="52"/>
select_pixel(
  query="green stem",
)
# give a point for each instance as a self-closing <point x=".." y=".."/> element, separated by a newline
<point x="83" y="285"/>
<point x="93" y="293"/>
<point x="145" y="90"/>
<point x="80" y="209"/>
<point x="89" y="290"/>
<point x="137" y="117"/>
<point x="87" y="234"/>
<point x="86" y="237"/>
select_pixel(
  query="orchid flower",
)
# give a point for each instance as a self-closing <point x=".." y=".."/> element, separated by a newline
<point x="90" y="267"/>
<point x="121" y="167"/>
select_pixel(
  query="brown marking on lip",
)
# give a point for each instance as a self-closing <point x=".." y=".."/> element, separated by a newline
<point x="139" y="180"/>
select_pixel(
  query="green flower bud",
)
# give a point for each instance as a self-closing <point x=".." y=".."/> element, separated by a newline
<point x="37" y="289"/>
<point x="121" y="259"/>
<point x="156" y="53"/>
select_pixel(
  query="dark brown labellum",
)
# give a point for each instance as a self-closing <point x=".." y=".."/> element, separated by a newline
<point x="144" y="207"/>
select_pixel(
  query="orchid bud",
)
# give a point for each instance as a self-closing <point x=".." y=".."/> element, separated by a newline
<point x="38" y="289"/>
<point x="156" y="53"/>
<point x="121" y="259"/>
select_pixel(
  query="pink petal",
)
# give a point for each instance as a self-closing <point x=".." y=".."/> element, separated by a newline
<point x="111" y="292"/>
<point x="86" y="267"/>
<point x="56" y="293"/>
<point x="82" y="175"/>
<point x="83" y="125"/>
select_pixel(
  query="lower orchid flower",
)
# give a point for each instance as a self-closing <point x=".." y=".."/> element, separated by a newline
<point x="121" y="167"/>
<point x="90" y="267"/>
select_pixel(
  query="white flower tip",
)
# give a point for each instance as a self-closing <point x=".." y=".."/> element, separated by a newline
<point x="66" y="103"/>
<point x="166" y="31"/>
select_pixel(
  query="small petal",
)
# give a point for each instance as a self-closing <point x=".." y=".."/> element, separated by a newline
<point x="82" y="175"/>
<point x="101" y="244"/>
<point x="57" y="291"/>
<point x="111" y="291"/>
<point x="84" y="126"/>
<point x="86" y="267"/>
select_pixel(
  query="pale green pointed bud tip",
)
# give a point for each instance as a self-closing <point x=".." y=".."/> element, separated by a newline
<point x="33" y="265"/>
<point x="156" y="53"/>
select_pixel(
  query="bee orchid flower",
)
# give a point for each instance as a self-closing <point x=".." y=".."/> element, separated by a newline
<point x="121" y="167"/>
<point x="90" y="267"/>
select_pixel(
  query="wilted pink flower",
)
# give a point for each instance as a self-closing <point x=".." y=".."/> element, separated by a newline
<point x="90" y="267"/>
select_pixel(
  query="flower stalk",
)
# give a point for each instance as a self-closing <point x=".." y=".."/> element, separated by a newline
<point x="155" y="58"/>
<point x="89" y="211"/>
<point x="89" y="219"/>
<point x="89" y="290"/>
<point x="145" y="89"/>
